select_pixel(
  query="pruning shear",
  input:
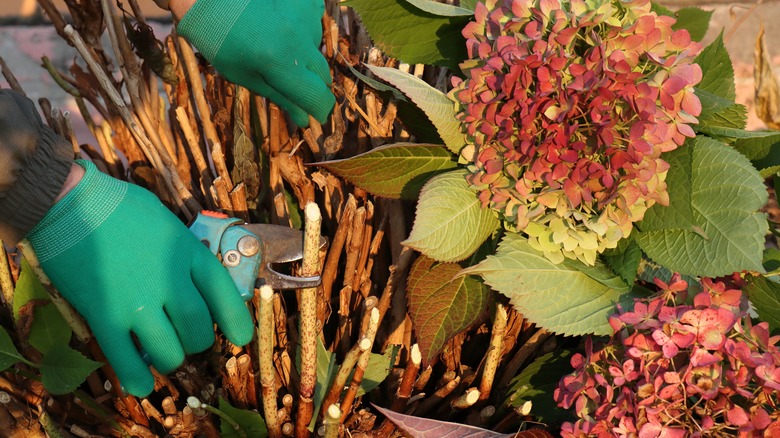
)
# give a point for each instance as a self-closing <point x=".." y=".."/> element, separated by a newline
<point x="249" y="251"/>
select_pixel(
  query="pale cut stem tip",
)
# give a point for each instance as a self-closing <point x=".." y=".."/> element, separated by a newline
<point x="266" y="293"/>
<point x="334" y="412"/>
<point x="313" y="212"/>
<point x="416" y="355"/>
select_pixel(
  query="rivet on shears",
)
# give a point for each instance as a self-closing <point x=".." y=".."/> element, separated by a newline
<point x="248" y="246"/>
<point x="231" y="258"/>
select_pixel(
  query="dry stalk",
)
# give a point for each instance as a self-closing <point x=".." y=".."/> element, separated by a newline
<point x="265" y="345"/>
<point x="196" y="86"/>
<point x="308" y="320"/>
<point x="362" y="364"/>
<point x="428" y="404"/>
<point x="522" y="354"/>
<point x="405" y="388"/>
<point x="345" y="369"/>
<point x="494" y="352"/>
<point x="332" y="422"/>
<point x="368" y="233"/>
<point x="204" y="172"/>
<point x="6" y="280"/>
<point x="337" y="245"/>
<point x="10" y="78"/>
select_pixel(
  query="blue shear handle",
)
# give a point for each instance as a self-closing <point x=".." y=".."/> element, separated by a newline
<point x="222" y="237"/>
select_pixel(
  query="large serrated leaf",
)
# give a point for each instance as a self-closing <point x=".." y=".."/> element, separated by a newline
<point x="441" y="9"/>
<point x="418" y="427"/>
<point x="9" y="355"/>
<point x="435" y="104"/>
<point x="440" y="305"/>
<point x="63" y="369"/>
<point x="718" y="112"/>
<point x="250" y="421"/>
<point x="411" y="34"/>
<point x="394" y="171"/>
<point x="762" y="148"/>
<point x="537" y="382"/>
<point x="450" y="223"/>
<point x="765" y="296"/>
<point x="717" y="70"/>
<point x="712" y="225"/>
<point x="49" y="328"/>
<point x="624" y="259"/>
<point x="696" y="21"/>
<point x="570" y="298"/>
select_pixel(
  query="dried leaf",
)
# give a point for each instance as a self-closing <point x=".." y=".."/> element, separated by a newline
<point x="767" y="89"/>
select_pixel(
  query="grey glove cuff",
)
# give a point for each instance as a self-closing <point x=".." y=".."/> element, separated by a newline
<point x="38" y="175"/>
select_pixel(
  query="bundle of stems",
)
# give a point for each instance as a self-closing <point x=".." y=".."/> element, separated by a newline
<point x="161" y="117"/>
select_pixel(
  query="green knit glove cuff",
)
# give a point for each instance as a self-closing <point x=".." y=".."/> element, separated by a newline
<point x="208" y="23"/>
<point x="79" y="213"/>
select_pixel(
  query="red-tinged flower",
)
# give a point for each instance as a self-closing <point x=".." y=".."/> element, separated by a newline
<point x="680" y="369"/>
<point x="567" y="107"/>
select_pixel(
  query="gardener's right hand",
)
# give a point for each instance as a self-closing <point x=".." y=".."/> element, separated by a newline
<point x="139" y="277"/>
<point x="269" y="46"/>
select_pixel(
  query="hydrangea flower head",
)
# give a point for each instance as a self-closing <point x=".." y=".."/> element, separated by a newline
<point x="676" y="368"/>
<point x="567" y="107"/>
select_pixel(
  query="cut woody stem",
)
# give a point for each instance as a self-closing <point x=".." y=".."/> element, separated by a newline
<point x="265" y="342"/>
<point x="494" y="352"/>
<point x="308" y="320"/>
<point x="362" y="364"/>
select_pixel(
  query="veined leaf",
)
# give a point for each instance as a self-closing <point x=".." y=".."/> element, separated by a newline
<point x="9" y="355"/>
<point x="393" y="171"/>
<point x="377" y="370"/>
<point x="717" y="70"/>
<point x="436" y="105"/>
<point x="537" y="382"/>
<point x="441" y="9"/>
<point x="27" y="288"/>
<point x="48" y="328"/>
<point x="411" y="34"/>
<point x="765" y="296"/>
<point x="624" y="259"/>
<point x="762" y="148"/>
<point x="570" y="298"/>
<point x="419" y="427"/>
<point x="712" y="225"/>
<point x="696" y="21"/>
<point x="63" y="369"/>
<point x="251" y="422"/>
<point x="450" y="223"/>
<point x="440" y="305"/>
<point x="718" y="112"/>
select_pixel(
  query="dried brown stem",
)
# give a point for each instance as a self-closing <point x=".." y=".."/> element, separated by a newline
<point x="308" y="320"/>
<point x="337" y="245"/>
<point x="494" y="352"/>
<point x="196" y="86"/>
<point x="265" y="343"/>
<point x="190" y="135"/>
<point x="404" y="391"/>
<point x="345" y="369"/>
<point x="522" y="354"/>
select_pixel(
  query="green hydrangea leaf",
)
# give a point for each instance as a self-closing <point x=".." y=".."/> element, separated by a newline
<point x="537" y="383"/>
<point x="695" y="20"/>
<point x="762" y="148"/>
<point x="570" y="298"/>
<point x="440" y="305"/>
<point x="441" y="9"/>
<point x="469" y="4"/>
<point x="63" y="369"/>
<point x="250" y="421"/>
<point x="450" y="223"/>
<point x="48" y="328"/>
<point x="624" y="259"/>
<point x="394" y="171"/>
<point x="771" y="263"/>
<point x="436" y="105"/>
<point x="9" y="355"/>
<point x="411" y="34"/>
<point x="27" y="288"/>
<point x="712" y="225"/>
<point x="717" y="70"/>
<point x="718" y="112"/>
<point x="377" y="370"/>
<point x="765" y="296"/>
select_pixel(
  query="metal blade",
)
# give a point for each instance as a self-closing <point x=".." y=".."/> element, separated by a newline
<point x="281" y="245"/>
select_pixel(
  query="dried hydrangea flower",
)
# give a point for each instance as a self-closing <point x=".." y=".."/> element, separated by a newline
<point x="567" y="107"/>
<point x="673" y="368"/>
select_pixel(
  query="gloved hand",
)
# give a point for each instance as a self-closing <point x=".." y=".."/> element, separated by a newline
<point x="131" y="268"/>
<point x="269" y="47"/>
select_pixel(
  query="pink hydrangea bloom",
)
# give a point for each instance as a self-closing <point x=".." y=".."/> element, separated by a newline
<point x="567" y="107"/>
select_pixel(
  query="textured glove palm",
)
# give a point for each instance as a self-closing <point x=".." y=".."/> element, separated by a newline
<point x="130" y="267"/>
<point x="268" y="46"/>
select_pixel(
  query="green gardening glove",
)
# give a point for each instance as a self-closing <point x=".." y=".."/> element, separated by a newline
<point x="131" y="268"/>
<point x="269" y="47"/>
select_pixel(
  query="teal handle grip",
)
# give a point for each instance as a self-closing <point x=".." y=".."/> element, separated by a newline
<point x="239" y="249"/>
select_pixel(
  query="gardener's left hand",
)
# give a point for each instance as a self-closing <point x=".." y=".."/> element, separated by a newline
<point x="270" y="47"/>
